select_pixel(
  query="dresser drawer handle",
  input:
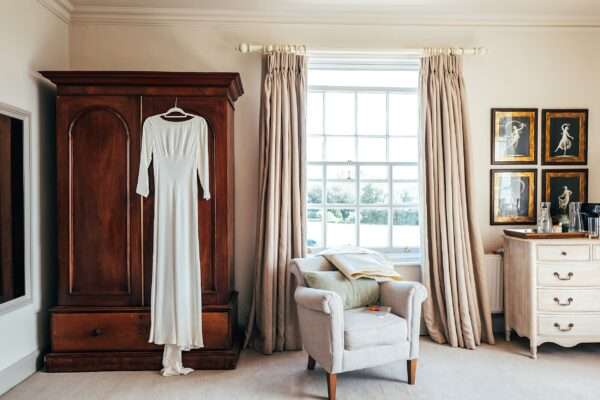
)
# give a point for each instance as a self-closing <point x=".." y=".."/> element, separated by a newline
<point x="563" y="253"/>
<point x="568" y="278"/>
<point x="560" y="328"/>
<point x="568" y="303"/>
<point x="97" y="332"/>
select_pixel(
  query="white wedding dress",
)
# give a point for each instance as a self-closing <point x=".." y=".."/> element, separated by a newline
<point x="179" y="150"/>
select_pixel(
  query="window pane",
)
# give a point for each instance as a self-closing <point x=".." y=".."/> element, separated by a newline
<point x="314" y="172"/>
<point x="341" y="192"/>
<point x="339" y="113"/>
<point x="314" y="192"/>
<point x="371" y="149"/>
<point x="314" y="148"/>
<point x="341" y="227"/>
<point x="374" y="228"/>
<point x="340" y="149"/>
<point x="314" y="113"/>
<point x="401" y="172"/>
<point x="405" y="193"/>
<point x="405" y="228"/>
<point x="404" y="149"/>
<point x="314" y="227"/>
<point x="374" y="193"/>
<point x="364" y="78"/>
<point x="404" y="114"/>
<point x="371" y="114"/>
<point x="374" y="172"/>
<point x="346" y="172"/>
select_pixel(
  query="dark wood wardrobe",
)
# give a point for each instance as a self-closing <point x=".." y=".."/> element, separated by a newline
<point x="102" y="317"/>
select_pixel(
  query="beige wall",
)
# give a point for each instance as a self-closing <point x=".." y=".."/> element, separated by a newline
<point x="31" y="38"/>
<point x="525" y="67"/>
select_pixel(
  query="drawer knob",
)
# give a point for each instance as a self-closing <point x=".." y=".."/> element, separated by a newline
<point x="563" y="253"/>
<point x="567" y="278"/>
<point x="97" y="332"/>
<point x="568" y="303"/>
<point x="560" y="328"/>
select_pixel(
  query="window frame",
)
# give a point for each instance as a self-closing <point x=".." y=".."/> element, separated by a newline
<point x="397" y="253"/>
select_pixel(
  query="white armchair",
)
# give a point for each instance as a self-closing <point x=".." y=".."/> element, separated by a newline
<point x="346" y="340"/>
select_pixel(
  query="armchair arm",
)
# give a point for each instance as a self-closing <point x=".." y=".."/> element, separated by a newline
<point x="405" y="299"/>
<point x="321" y="317"/>
<point x="317" y="300"/>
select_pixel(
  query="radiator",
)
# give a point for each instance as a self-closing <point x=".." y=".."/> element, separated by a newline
<point x="495" y="282"/>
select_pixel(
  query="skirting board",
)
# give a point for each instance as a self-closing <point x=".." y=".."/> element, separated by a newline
<point x="16" y="373"/>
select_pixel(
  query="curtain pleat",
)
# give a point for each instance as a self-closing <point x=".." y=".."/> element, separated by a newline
<point x="273" y="324"/>
<point x="457" y="311"/>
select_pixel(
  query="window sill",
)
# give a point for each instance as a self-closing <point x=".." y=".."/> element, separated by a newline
<point x="407" y="264"/>
<point x="403" y="260"/>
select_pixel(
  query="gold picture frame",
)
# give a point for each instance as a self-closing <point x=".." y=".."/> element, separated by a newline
<point x="513" y="195"/>
<point x="564" y="182"/>
<point x="514" y="136"/>
<point x="565" y="137"/>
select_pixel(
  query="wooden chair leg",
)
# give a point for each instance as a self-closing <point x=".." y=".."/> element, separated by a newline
<point x="411" y="371"/>
<point x="331" y="382"/>
<point x="311" y="363"/>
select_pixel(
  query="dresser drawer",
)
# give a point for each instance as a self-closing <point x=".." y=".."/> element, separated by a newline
<point x="124" y="331"/>
<point x="568" y="300"/>
<point x="568" y="275"/>
<point x="573" y="325"/>
<point x="596" y="252"/>
<point x="563" y="253"/>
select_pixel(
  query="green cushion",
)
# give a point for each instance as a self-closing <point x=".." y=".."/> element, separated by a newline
<point x="354" y="293"/>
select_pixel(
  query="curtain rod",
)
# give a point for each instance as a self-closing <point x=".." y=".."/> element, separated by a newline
<point x="293" y="48"/>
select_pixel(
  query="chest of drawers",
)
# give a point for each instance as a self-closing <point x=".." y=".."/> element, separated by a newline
<point x="552" y="290"/>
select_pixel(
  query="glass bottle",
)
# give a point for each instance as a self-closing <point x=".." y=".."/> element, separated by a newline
<point x="544" y="218"/>
<point x="575" y="220"/>
<point x="594" y="226"/>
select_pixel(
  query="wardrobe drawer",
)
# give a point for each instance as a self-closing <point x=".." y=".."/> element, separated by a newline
<point x="568" y="300"/>
<point x="568" y="275"/>
<point x="563" y="253"/>
<point x="569" y="325"/>
<point x="125" y="331"/>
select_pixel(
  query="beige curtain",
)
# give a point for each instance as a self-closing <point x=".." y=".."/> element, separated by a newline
<point x="457" y="310"/>
<point x="273" y="324"/>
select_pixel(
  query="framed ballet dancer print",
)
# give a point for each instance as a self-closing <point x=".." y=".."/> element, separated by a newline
<point x="513" y="196"/>
<point x="564" y="137"/>
<point x="563" y="186"/>
<point x="514" y="136"/>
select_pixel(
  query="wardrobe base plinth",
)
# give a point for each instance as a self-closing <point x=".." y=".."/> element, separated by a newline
<point x="140" y="360"/>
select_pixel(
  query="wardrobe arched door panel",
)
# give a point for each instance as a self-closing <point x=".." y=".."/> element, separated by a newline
<point x="99" y="245"/>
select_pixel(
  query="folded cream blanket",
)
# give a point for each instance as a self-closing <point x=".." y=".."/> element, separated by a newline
<point x="356" y="262"/>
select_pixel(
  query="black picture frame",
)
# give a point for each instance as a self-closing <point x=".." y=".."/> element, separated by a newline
<point x="514" y="136"/>
<point x="513" y="211"/>
<point x="574" y="146"/>
<point x="554" y="182"/>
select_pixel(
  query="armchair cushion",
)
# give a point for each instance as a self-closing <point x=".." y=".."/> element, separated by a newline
<point x="354" y="292"/>
<point x="363" y="329"/>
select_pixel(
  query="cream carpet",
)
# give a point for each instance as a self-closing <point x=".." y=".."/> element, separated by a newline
<point x="502" y="372"/>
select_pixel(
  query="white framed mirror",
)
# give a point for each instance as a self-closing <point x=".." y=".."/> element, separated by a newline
<point x="15" y="208"/>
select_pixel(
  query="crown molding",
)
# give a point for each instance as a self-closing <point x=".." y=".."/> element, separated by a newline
<point x="61" y="8"/>
<point x="169" y="16"/>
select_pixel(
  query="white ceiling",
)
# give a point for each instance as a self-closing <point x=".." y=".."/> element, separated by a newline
<point x="492" y="9"/>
